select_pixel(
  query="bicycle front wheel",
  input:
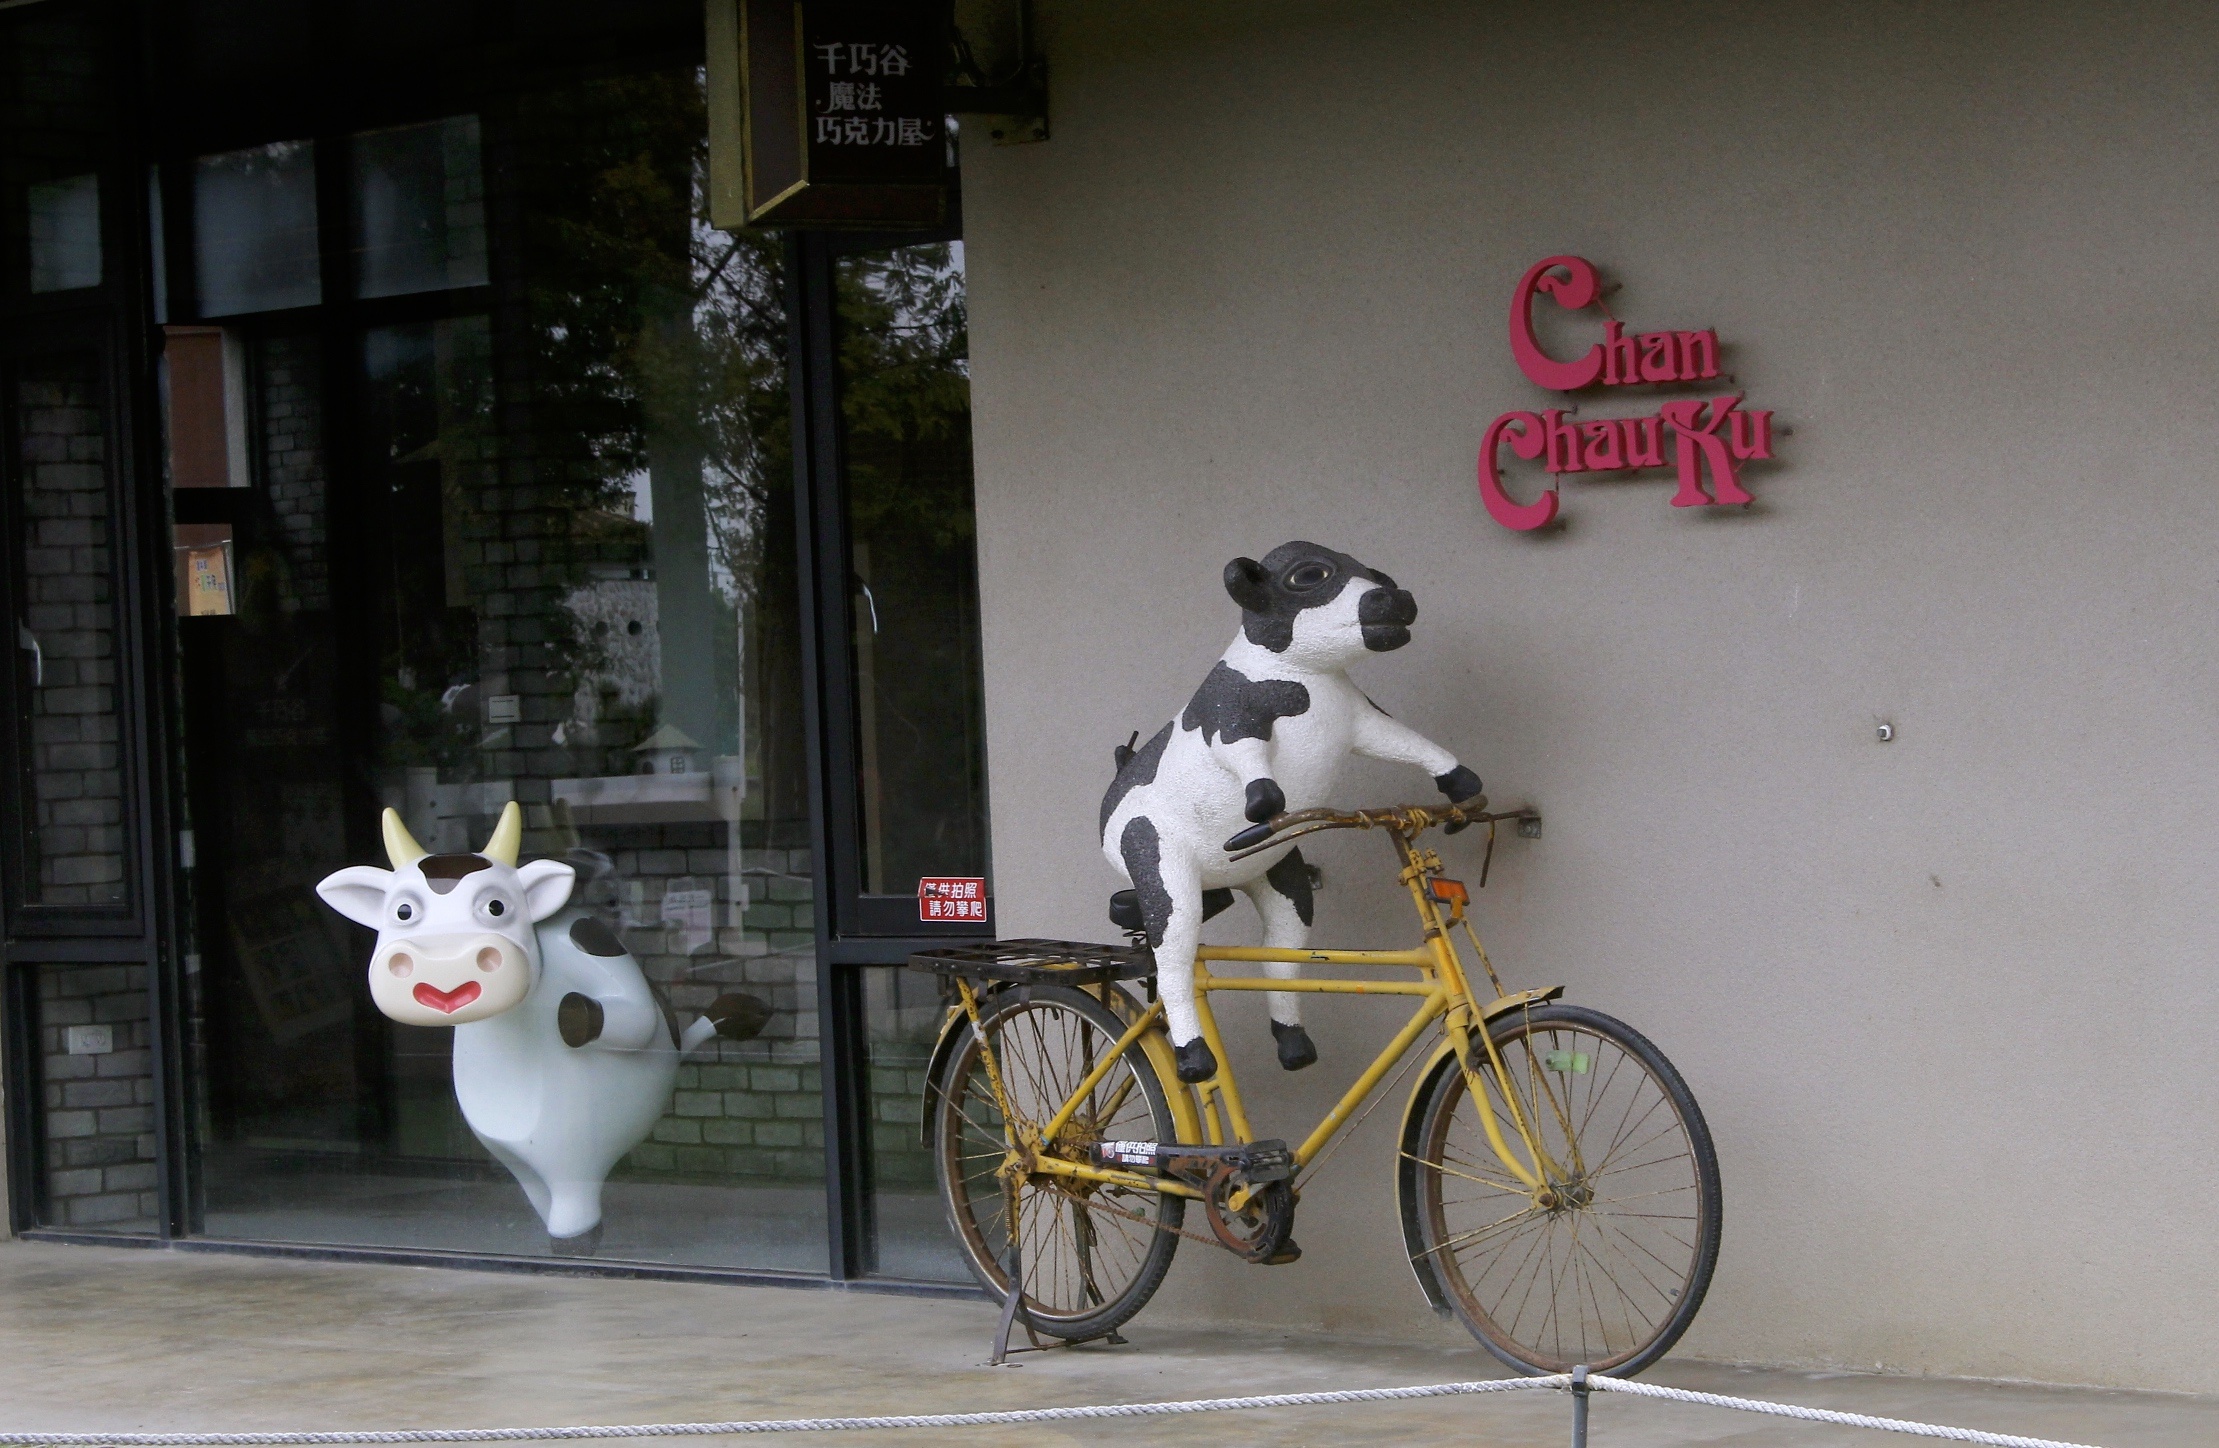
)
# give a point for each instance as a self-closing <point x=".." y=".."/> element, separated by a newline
<point x="1091" y="1255"/>
<point x="1606" y="1261"/>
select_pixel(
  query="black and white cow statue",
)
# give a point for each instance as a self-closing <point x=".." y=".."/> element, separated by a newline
<point x="564" y="1055"/>
<point x="1266" y="732"/>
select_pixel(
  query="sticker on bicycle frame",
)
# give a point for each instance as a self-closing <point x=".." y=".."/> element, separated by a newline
<point x="1576" y="1063"/>
<point x="1128" y="1153"/>
<point x="951" y="897"/>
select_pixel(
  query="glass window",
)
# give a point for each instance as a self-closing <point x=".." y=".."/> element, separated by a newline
<point x="254" y="229"/>
<point x="65" y="234"/>
<point x="565" y="543"/>
<point x="66" y="637"/>
<point x="905" y="399"/>
<point x="903" y="1012"/>
<point x="57" y="121"/>
<point x="419" y="208"/>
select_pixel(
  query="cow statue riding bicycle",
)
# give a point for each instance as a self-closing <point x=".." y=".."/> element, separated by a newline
<point x="1267" y="732"/>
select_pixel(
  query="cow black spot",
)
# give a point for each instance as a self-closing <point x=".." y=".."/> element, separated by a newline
<point x="1293" y="577"/>
<point x="1291" y="878"/>
<point x="444" y="872"/>
<point x="591" y="936"/>
<point x="1231" y="706"/>
<point x="1143" y="853"/>
<point x="579" y="1019"/>
<point x="1136" y="771"/>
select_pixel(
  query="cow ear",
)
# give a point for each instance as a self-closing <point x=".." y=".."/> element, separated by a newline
<point x="546" y="885"/>
<point x="1246" y="580"/>
<point x="357" y="892"/>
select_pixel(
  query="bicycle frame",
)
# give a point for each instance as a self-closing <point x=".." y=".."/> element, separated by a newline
<point x="1443" y="994"/>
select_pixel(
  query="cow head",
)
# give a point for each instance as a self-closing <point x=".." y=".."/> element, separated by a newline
<point x="455" y="937"/>
<point x="1320" y="608"/>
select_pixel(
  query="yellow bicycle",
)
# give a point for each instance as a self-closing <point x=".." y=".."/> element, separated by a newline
<point x="1557" y="1185"/>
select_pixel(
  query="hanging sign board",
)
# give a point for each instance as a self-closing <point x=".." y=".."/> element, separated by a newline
<point x="827" y="113"/>
<point x="1710" y="437"/>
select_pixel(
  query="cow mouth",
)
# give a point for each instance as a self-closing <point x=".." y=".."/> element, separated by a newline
<point x="447" y="1002"/>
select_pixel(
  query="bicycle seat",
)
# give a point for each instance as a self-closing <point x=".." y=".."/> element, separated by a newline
<point x="1125" y="907"/>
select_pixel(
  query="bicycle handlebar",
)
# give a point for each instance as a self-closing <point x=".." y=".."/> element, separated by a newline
<point x="1407" y="820"/>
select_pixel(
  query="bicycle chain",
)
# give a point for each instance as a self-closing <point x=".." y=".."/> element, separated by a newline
<point x="1060" y="1190"/>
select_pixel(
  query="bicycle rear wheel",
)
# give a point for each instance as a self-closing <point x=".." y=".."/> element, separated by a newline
<point x="1607" y="1262"/>
<point x="1091" y="1255"/>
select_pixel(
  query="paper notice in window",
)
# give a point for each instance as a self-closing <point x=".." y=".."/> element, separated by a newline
<point x="687" y="906"/>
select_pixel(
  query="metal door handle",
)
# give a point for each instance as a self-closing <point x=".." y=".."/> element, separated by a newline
<point x="25" y="639"/>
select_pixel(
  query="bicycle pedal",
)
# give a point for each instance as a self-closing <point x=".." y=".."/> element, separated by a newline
<point x="1288" y="1252"/>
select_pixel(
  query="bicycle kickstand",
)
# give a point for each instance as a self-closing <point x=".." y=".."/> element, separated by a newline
<point x="1010" y="1309"/>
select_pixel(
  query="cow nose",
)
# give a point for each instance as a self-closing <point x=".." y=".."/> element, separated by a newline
<point x="1391" y="606"/>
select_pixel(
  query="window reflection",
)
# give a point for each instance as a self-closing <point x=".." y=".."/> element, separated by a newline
<point x="419" y="208"/>
<point x="254" y="229"/>
<point x="906" y="408"/>
<point x="65" y="234"/>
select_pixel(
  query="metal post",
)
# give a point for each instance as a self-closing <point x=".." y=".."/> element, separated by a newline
<point x="1579" y="1406"/>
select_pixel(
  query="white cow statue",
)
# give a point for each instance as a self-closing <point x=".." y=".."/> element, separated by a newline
<point x="1266" y="732"/>
<point x="563" y="1055"/>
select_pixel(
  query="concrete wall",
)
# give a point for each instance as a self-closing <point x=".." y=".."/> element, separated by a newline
<point x="1946" y="1000"/>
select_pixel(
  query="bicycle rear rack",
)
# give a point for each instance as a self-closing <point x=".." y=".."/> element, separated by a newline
<point x="1039" y="962"/>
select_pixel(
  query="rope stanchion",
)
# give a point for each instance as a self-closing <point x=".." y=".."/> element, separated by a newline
<point x="778" y="1425"/>
<point x="1827" y="1415"/>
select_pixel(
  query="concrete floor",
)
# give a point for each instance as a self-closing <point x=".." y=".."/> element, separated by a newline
<point x="98" y="1338"/>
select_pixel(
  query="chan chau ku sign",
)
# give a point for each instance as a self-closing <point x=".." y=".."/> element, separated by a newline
<point x="1704" y="438"/>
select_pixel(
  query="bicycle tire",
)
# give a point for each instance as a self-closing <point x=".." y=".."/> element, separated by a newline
<point x="1660" y="1258"/>
<point x="1046" y="1038"/>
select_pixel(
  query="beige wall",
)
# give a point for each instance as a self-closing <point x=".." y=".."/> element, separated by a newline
<point x="1948" y="1001"/>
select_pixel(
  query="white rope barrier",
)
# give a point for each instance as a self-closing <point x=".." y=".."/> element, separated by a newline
<point x="780" y="1425"/>
<point x="1826" y="1415"/>
<point x="1031" y="1415"/>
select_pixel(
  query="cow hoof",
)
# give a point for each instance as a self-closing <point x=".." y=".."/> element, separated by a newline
<point x="579" y="1018"/>
<point x="585" y="1244"/>
<point x="1296" y="1049"/>
<point x="739" y="1016"/>
<point x="1196" y="1063"/>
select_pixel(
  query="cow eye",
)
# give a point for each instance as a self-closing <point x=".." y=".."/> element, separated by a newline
<point x="404" y="911"/>
<point x="1306" y="576"/>
<point x="496" y="908"/>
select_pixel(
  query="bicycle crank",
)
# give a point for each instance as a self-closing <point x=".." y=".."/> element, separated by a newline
<point x="1261" y="1228"/>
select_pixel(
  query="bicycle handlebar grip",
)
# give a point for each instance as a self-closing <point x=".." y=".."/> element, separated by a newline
<point x="1249" y="838"/>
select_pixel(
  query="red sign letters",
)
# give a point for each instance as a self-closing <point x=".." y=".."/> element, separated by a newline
<point x="951" y="897"/>
<point x="1710" y="436"/>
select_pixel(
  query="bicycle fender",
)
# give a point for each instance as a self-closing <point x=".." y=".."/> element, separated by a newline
<point x="951" y="1031"/>
<point x="1442" y="1061"/>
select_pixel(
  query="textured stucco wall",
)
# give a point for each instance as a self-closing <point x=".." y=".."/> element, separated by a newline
<point x="1946" y="1000"/>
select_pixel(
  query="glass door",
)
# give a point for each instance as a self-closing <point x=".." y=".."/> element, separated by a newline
<point x="512" y="522"/>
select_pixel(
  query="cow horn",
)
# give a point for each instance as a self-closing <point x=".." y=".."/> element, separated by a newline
<point x="400" y="846"/>
<point x="507" y="836"/>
